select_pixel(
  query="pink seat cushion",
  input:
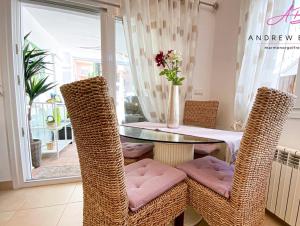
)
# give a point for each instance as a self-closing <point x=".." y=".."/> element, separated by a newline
<point x="147" y="179"/>
<point x="210" y="172"/>
<point x="124" y="139"/>
<point x="135" y="150"/>
<point x="205" y="149"/>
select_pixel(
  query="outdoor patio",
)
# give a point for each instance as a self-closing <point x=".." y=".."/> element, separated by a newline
<point x="67" y="165"/>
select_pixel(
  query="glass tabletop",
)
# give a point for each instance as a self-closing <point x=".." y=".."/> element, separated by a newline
<point x="159" y="136"/>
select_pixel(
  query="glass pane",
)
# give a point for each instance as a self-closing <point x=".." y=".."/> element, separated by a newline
<point x="72" y="42"/>
<point x="128" y="106"/>
<point x="290" y="62"/>
<point x="160" y="136"/>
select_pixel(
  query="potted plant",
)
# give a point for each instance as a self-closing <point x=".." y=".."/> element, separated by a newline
<point x="34" y="62"/>
<point x="169" y="63"/>
<point x="50" y="121"/>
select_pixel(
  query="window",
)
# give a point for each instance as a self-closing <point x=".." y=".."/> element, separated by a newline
<point x="290" y="62"/>
<point x="72" y="39"/>
<point x="85" y="68"/>
<point x="128" y="106"/>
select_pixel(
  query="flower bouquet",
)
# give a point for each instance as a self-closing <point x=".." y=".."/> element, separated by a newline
<point x="170" y="64"/>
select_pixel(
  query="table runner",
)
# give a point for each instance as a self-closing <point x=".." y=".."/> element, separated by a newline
<point x="231" y="138"/>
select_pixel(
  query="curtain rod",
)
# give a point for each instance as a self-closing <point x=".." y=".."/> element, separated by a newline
<point x="214" y="5"/>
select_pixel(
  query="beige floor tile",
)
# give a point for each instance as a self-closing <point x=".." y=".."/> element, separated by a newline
<point x="5" y="217"/>
<point x="77" y="195"/>
<point x="47" y="216"/>
<point x="47" y="195"/>
<point x="61" y="205"/>
<point x="11" y="200"/>
<point x="72" y="215"/>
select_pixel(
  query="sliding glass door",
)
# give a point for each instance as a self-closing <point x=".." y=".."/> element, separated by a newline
<point x="71" y="42"/>
<point x="61" y="45"/>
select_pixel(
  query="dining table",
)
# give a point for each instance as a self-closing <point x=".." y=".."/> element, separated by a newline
<point x="169" y="148"/>
<point x="174" y="146"/>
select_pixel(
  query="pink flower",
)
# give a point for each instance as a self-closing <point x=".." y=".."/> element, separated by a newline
<point x="170" y="55"/>
<point x="169" y="64"/>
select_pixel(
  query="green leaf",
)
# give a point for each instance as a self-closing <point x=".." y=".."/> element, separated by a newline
<point x="34" y="62"/>
<point x="37" y="86"/>
<point x="26" y="36"/>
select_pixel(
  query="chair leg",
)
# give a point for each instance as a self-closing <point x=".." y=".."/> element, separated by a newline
<point x="179" y="220"/>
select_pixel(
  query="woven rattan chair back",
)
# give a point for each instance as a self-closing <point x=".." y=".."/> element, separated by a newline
<point x="254" y="160"/>
<point x="101" y="159"/>
<point x="200" y="113"/>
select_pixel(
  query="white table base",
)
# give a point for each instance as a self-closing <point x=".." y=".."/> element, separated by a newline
<point x="191" y="218"/>
<point x="174" y="154"/>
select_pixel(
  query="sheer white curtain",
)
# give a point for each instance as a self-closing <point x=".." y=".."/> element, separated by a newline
<point x="151" y="26"/>
<point x="257" y="66"/>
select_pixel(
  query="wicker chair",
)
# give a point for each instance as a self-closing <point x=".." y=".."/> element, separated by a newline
<point x="202" y="114"/>
<point x="133" y="151"/>
<point x="105" y="179"/>
<point x="243" y="202"/>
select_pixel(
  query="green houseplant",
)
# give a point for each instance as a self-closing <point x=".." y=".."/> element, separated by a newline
<point x="34" y="62"/>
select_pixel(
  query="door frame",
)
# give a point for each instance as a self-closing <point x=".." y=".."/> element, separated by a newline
<point x="13" y="84"/>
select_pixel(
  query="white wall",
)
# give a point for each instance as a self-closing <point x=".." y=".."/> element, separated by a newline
<point x="204" y="54"/>
<point x="5" y="174"/>
<point x="222" y="84"/>
<point x="290" y="136"/>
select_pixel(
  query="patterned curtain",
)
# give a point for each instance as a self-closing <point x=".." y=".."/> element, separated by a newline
<point x="257" y="66"/>
<point x="151" y="26"/>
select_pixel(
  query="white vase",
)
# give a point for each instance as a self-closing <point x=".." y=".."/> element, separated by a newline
<point x="173" y="107"/>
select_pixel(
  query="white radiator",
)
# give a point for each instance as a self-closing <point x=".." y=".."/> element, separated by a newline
<point x="284" y="186"/>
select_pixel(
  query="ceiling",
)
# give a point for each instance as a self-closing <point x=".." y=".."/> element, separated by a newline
<point x="72" y="29"/>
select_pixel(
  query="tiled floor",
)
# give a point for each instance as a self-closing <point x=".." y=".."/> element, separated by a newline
<point x="55" y="205"/>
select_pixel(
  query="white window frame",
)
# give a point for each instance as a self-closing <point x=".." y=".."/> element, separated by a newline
<point x="12" y="69"/>
<point x="15" y="109"/>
